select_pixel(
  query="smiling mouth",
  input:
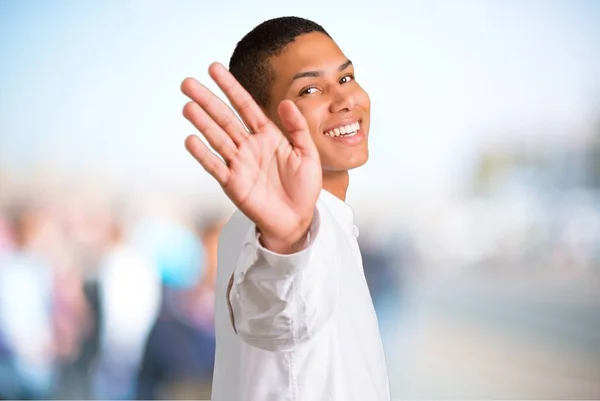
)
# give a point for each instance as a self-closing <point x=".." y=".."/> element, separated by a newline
<point x="344" y="130"/>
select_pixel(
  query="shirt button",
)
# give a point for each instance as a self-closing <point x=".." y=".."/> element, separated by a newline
<point x="240" y="277"/>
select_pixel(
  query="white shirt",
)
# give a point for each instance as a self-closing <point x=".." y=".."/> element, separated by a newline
<point x="298" y="327"/>
<point x="127" y="319"/>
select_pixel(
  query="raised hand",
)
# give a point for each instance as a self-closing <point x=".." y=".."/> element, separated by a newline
<point x="274" y="179"/>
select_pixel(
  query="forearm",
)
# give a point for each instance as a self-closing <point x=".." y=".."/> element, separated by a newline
<point x="280" y="300"/>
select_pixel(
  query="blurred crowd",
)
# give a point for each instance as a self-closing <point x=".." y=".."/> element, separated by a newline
<point x="95" y="303"/>
<point x="108" y="300"/>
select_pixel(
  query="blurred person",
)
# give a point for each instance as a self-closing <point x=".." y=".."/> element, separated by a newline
<point x="389" y="265"/>
<point x="70" y="310"/>
<point x="26" y="301"/>
<point x="129" y="295"/>
<point x="71" y="313"/>
<point x="86" y="224"/>
<point x="11" y="386"/>
<point x="5" y="237"/>
<point x="382" y="273"/>
<point x="208" y="230"/>
<point x="71" y="319"/>
<point x="294" y="317"/>
<point x="73" y="326"/>
<point x="178" y="357"/>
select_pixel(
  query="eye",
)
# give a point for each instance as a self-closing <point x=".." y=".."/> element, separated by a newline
<point x="309" y="91"/>
<point x="347" y="78"/>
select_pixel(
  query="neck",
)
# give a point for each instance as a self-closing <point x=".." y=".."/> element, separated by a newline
<point x="336" y="183"/>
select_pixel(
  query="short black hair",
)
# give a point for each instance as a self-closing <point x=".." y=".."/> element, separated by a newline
<point x="250" y="61"/>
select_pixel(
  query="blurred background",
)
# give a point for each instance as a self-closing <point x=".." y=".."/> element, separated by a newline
<point x="479" y="209"/>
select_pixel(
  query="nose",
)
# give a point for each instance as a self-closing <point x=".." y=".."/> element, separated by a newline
<point x="342" y="100"/>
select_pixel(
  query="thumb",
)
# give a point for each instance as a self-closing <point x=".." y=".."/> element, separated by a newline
<point x="296" y="127"/>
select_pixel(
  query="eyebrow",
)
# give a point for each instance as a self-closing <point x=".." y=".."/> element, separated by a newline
<point x="320" y="73"/>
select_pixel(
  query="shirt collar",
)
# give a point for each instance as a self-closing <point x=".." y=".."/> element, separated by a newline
<point x="342" y="212"/>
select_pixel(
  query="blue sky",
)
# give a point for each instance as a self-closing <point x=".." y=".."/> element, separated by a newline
<point x="94" y="86"/>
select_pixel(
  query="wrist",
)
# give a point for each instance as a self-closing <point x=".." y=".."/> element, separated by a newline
<point x="293" y="243"/>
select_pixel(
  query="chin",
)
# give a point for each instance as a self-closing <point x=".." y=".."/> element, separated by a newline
<point x="357" y="165"/>
<point x="347" y="165"/>
<point x="358" y="161"/>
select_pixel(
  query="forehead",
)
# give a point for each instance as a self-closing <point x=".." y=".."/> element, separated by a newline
<point x="312" y="51"/>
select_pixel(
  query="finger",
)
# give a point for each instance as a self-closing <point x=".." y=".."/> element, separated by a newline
<point x="209" y="161"/>
<point x="216" y="108"/>
<point x="241" y="100"/>
<point x="295" y="125"/>
<point x="217" y="138"/>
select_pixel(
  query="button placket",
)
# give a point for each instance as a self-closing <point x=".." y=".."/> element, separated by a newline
<point x="247" y="253"/>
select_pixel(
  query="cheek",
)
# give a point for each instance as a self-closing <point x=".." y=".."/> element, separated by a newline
<point x="363" y="99"/>
<point x="314" y="115"/>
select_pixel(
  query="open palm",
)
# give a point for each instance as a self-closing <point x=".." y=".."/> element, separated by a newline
<point x="272" y="178"/>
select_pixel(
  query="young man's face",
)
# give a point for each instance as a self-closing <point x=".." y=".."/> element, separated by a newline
<point x="314" y="73"/>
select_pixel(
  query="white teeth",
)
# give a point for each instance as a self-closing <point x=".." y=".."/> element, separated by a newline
<point x="345" y="130"/>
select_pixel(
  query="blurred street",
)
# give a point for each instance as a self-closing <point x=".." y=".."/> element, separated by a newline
<point x="501" y="339"/>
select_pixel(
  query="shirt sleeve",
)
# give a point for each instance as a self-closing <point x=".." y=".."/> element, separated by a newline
<point x="279" y="301"/>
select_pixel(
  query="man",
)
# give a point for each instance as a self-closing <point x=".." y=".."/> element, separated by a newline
<point x="26" y="292"/>
<point x="294" y="317"/>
